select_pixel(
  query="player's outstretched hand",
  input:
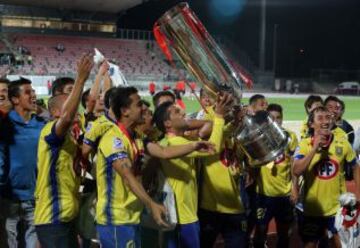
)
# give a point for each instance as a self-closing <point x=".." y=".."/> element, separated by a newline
<point x="159" y="214"/>
<point x="84" y="66"/>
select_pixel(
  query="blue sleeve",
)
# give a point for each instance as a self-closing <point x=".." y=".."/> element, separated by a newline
<point x="120" y="155"/>
<point x="299" y="156"/>
<point x="352" y="163"/>
<point x="52" y="139"/>
<point x="3" y="169"/>
<point x="90" y="143"/>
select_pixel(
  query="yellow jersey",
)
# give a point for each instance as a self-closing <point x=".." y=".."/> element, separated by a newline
<point x="57" y="185"/>
<point x="324" y="179"/>
<point x="181" y="174"/>
<point x="304" y="130"/>
<point x="116" y="204"/>
<point x="274" y="178"/>
<point x="96" y="129"/>
<point x="220" y="190"/>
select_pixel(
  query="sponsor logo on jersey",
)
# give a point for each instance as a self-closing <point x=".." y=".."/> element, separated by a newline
<point x="327" y="169"/>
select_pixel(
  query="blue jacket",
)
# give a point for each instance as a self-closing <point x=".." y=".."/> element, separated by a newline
<point x="18" y="158"/>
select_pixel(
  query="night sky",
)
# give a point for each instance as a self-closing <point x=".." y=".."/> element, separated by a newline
<point x="312" y="34"/>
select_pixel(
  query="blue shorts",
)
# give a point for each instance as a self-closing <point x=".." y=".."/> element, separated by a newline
<point x="184" y="236"/>
<point x="279" y="208"/>
<point x="312" y="229"/>
<point x="121" y="236"/>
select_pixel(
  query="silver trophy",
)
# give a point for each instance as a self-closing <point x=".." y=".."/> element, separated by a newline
<point x="179" y="29"/>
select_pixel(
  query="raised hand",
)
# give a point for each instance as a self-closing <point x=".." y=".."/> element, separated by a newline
<point x="224" y="101"/>
<point x="84" y="66"/>
<point x="104" y="68"/>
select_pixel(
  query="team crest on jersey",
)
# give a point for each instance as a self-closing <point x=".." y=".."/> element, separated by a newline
<point x="118" y="144"/>
<point x="327" y="169"/>
<point x="88" y="127"/>
<point x="339" y="150"/>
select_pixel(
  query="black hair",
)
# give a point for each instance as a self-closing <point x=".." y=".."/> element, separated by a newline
<point x="255" y="97"/>
<point x="85" y="97"/>
<point x="4" y="81"/>
<point x="59" y="84"/>
<point x="310" y="100"/>
<point x="41" y="103"/>
<point x="161" y="115"/>
<point x="14" y="86"/>
<point x="275" y="107"/>
<point x="335" y="99"/>
<point x="108" y="97"/>
<point x="157" y="96"/>
<point x="121" y="99"/>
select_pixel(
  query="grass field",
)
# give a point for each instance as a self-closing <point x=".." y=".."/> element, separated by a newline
<point x="293" y="107"/>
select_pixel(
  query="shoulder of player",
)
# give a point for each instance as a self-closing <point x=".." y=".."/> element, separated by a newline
<point x="112" y="133"/>
<point x="305" y="141"/>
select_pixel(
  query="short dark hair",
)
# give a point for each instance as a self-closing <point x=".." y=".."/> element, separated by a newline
<point x="59" y="84"/>
<point x="255" y="97"/>
<point x="108" y="97"/>
<point x="4" y="81"/>
<point x="121" y="99"/>
<point x="157" y="96"/>
<point x="14" y="86"/>
<point x="335" y="99"/>
<point x="161" y="115"/>
<point x="85" y="97"/>
<point x="310" y="100"/>
<point x="275" y="107"/>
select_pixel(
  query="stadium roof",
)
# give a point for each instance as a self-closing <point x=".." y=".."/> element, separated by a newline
<point x="109" y="6"/>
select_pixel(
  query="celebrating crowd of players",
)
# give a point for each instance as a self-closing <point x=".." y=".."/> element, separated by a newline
<point x="68" y="178"/>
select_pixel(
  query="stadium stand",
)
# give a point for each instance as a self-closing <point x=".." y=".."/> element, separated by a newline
<point x="134" y="57"/>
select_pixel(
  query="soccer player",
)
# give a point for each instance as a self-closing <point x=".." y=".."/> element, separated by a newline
<point x="258" y="102"/>
<point x="206" y="101"/>
<point x="163" y="96"/>
<point x="57" y="186"/>
<point x="320" y="158"/>
<point x="62" y="85"/>
<point x="312" y="102"/>
<point x="120" y="195"/>
<point x="337" y="108"/>
<point x="273" y="187"/>
<point x="221" y="209"/>
<point x="181" y="172"/>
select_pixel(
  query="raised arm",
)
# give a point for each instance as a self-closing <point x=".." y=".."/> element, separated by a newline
<point x="302" y="160"/>
<point x="95" y="88"/>
<point x="70" y="107"/>
<point x="170" y="152"/>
